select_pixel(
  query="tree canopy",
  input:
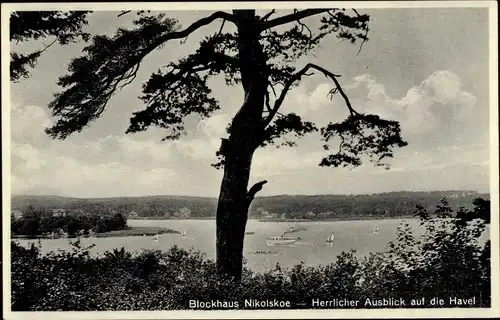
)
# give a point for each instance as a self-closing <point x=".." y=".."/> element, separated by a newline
<point x="180" y="88"/>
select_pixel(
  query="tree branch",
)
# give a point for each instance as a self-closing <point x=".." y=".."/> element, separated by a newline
<point x="200" y="23"/>
<point x="47" y="46"/>
<point x="291" y="18"/>
<point x="131" y="77"/>
<point x="297" y="77"/>
<point x="264" y="18"/>
<point x="268" y="106"/>
<point x="196" y="25"/>
<point x="303" y="25"/>
<point x="124" y="12"/>
<point x="221" y="27"/>
<point x="254" y="189"/>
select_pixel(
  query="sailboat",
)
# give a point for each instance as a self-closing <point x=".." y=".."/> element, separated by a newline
<point x="331" y="238"/>
<point x="375" y="230"/>
<point x="184" y="234"/>
<point x="156" y="238"/>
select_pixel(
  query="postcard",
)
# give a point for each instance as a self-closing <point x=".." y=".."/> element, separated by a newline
<point x="250" y="160"/>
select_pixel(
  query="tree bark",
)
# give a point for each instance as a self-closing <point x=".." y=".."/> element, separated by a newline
<point x="246" y="128"/>
<point x="232" y="213"/>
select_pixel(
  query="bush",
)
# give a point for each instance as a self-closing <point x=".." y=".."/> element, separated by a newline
<point x="447" y="260"/>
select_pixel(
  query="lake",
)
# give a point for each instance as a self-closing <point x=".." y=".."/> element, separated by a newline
<point x="312" y="249"/>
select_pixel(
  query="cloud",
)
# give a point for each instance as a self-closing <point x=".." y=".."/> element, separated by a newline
<point x="130" y="165"/>
<point x="36" y="171"/>
<point x="214" y="126"/>
<point x="28" y="123"/>
<point x="315" y="105"/>
<point x="113" y="165"/>
<point x="436" y="109"/>
<point x="438" y="102"/>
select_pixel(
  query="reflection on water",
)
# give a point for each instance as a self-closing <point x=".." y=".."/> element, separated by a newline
<point x="313" y="249"/>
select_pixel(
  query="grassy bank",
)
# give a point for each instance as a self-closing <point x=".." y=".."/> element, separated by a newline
<point x="128" y="232"/>
<point x="136" y="231"/>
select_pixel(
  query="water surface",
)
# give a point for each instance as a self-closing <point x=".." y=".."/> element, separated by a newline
<point x="313" y="249"/>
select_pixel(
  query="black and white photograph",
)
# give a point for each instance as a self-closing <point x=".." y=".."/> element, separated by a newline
<point x="250" y="160"/>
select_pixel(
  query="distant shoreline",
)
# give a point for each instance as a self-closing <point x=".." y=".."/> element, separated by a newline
<point x="129" y="232"/>
<point x="336" y="219"/>
<point x="289" y="219"/>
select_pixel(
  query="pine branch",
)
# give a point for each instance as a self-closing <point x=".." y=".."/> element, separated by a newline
<point x="198" y="24"/>
<point x="270" y="13"/>
<point x="303" y="26"/>
<point x="297" y="76"/>
<point x="254" y="189"/>
<point x="124" y="12"/>
<point x="96" y="76"/>
<point x="291" y="18"/>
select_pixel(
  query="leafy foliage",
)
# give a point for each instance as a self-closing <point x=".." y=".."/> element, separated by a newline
<point x="107" y="63"/>
<point x="448" y="259"/>
<point x="287" y="124"/>
<point x="39" y="222"/>
<point x="362" y="134"/>
<point x="66" y="27"/>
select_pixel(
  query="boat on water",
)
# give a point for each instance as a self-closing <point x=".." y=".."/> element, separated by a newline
<point x="184" y="233"/>
<point x="265" y="252"/>
<point x="376" y="230"/>
<point x="281" y="240"/>
<point x="331" y="238"/>
<point x="293" y="228"/>
<point x="156" y="237"/>
<point x="249" y="232"/>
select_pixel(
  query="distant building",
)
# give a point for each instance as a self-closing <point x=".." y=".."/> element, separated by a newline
<point x="271" y="216"/>
<point x="177" y="214"/>
<point x="16" y="214"/>
<point x="133" y="215"/>
<point x="310" y="215"/>
<point x="185" y="212"/>
<point x="457" y="195"/>
<point x="59" y="212"/>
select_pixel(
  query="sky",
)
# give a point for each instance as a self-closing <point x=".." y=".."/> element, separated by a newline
<point x="426" y="68"/>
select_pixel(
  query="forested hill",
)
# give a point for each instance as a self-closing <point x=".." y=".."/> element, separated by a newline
<point x="290" y="206"/>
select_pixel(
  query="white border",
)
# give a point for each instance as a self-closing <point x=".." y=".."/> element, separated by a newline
<point x="494" y="311"/>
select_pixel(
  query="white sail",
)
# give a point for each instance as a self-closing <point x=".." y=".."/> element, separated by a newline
<point x="331" y="238"/>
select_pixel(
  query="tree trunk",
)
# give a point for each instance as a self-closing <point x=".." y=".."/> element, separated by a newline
<point x="234" y="201"/>
<point x="232" y="213"/>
